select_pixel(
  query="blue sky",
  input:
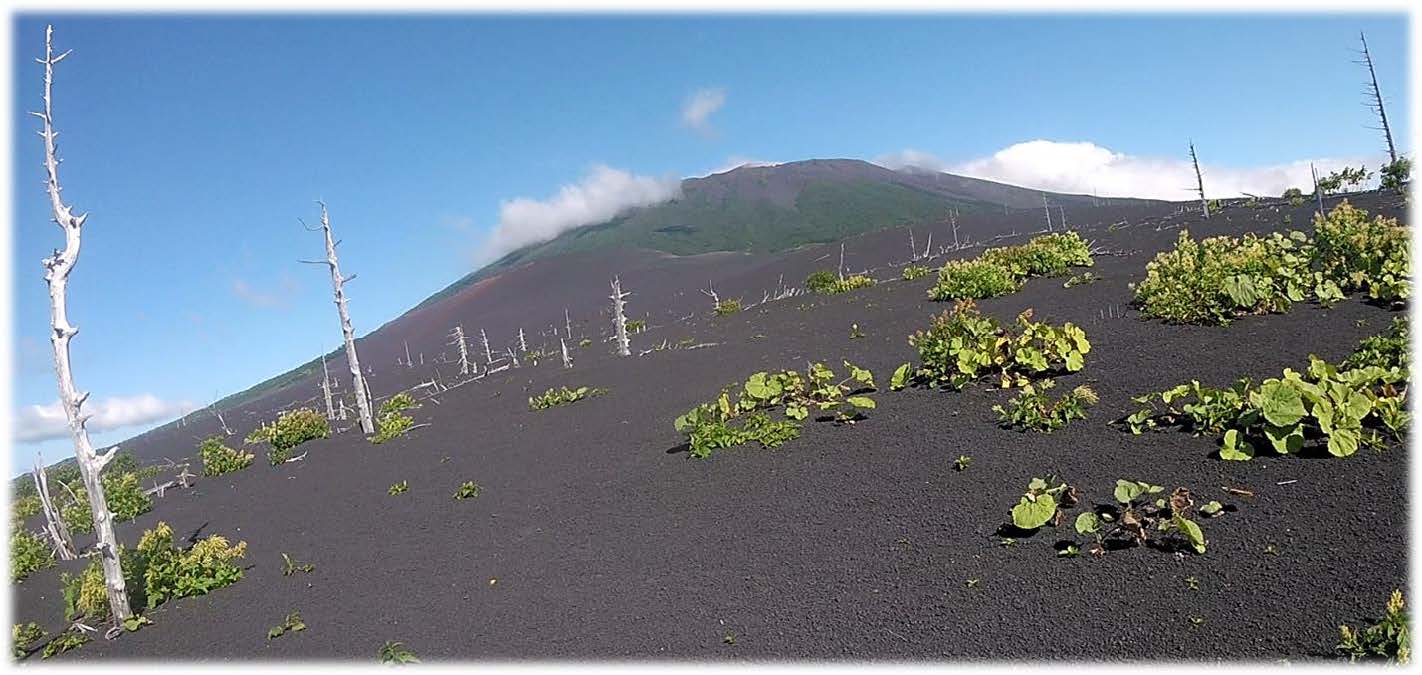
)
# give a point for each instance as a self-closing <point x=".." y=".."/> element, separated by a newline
<point x="196" y="143"/>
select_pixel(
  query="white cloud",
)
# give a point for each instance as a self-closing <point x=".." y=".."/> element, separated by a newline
<point x="43" y="422"/>
<point x="598" y="196"/>
<point x="696" y="111"/>
<point x="1087" y="168"/>
<point x="277" y="297"/>
<point x="738" y="161"/>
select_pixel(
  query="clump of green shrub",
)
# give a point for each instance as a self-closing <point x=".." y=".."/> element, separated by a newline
<point x="391" y="421"/>
<point x="973" y="279"/>
<point x="1324" y="402"/>
<point x="1359" y="254"/>
<point x="292" y="624"/>
<point x="399" y="488"/>
<point x="913" y="272"/>
<point x="635" y="326"/>
<point x="25" y="637"/>
<point x="24" y="507"/>
<point x="69" y="639"/>
<point x="1395" y="174"/>
<point x="1047" y="255"/>
<point x="467" y="490"/>
<point x="852" y="283"/>
<point x="28" y="553"/>
<point x="1081" y="279"/>
<point x="964" y="345"/>
<point x="1137" y="517"/>
<point x="292" y="428"/>
<point x="1388" y="350"/>
<point x="562" y="396"/>
<point x="1388" y="639"/>
<point x="395" y="653"/>
<point x="1032" y="409"/>
<point x="123" y="493"/>
<point x="1220" y="278"/>
<point x="725" y="307"/>
<point x="821" y="281"/>
<point x="218" y="459"/>
<point x="725" y="424"/>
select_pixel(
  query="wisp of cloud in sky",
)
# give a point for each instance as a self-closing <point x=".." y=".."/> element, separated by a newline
<point x="696" y="111"/>
<point x="1087" y="168"/>
<point x="600" y="195"/>
<point x="43" y="422"/>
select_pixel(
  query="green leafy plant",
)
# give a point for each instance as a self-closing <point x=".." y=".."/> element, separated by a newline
<point x="28" y="554"/>
<point x="1387" y="639"/>
<point x="468" y="490"/>
<point x="1283" y="413"/>
<point x="66" y="641"/>
<point x="24" y="507"/>
<point x="962" y="463"/>
<point x="135" y="622"/>
<point x="913" y="272"/>
<point x="1396" y="174"/>
<point x="1348" y="177"/>
<point x="854" y="332"/>
<point x="584" y="342"/>
<point x="291" y="428"/>
<point x="390" y="425"/>
<point x="218" y="459"/>
<point x="25" y="636"/>
<point x="635" y="326"/>
<point x="710" y="426"/>
<point x="401" y="401"/>
<point x="1140" y="517"/>
<point x="1295" y="197"/>
<point x="963" y="345"/>
<point x="1042" y="503"/>
<point x="1081" y="279"/>
<point x="399" y="488"/>
<point x="821" y="281"/>
<point x="290" y="567"/>
<point x="395" y="653"/>
<point x="726" y="307"/>
<point x="562" y="396"/>
<point x="851" y="283"/>
<point x="292" y="624"/>
<point x="1388" y="350"/>
<point x="1031" y="409"/>
<point x="973" y="279"/>
<point x="169" y="572"/>
<point x="1358" y="254"/>
<point x="123" y="492"/>
<point x="1217" y="279"/>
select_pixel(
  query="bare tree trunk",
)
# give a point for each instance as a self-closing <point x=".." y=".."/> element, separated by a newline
<point x="913" y="248"/>
<point x="522" y="344"/>
<point x="567" y="323"/>
<point x="567" y="362"/>
<point x="1061" y="210"/>
<point x="1199" y="182"/>
<point x="928" y="247"/>
<point x="57" y="268"/>
<point x="1047" y="211"/>
<point x="841" y="261"/>
<point x="326" y="389"/>
<point x="711" y="293"/>
<point x="619" y="320"/>
<point x="458" y="335"/>
<point x="341" y="414"/>
<point x="53" y="525"/>
<point x="1317" y="192"/>
<point x="488" y="356"/>
<point x="223" y="422"/>
<point x="1377" y="98"/>
<point x="338" y="283"/>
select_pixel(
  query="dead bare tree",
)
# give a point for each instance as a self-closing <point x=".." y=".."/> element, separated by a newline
<point x="928" y="247"/>
<point x="409" y="363"/>
<point x="458" y="335"/>
<point x="1199" y="182"/>
<point x="567" y="361"/>
<point x="1316" y="190"/>
<point x="326" y="389"/>
<point x="221" y="421"/>
<point x="841" y="261"/>
<point x="710" y="292"/>
<point x="619" y="320"/>
<point x="338" y="283"/>
<point x="522" y="344"/>
<point x="488" y="355"/>
<point x="57" y="268"/>
<point x="1047" y="211"/>
<point x="1377" y="101"/>
<point x="567" y="323"/>
<point x="54" y="526"/>
<point x="913" y="248"/>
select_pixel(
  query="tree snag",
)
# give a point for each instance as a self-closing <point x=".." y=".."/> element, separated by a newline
<point x="1199" y="182"/>
<point x="54" y="526"/>
<point x="1377" y="102"/>
<point x="338" y="283"/>
<point x="57" y="268"/>
<point x="619" y="320"/>
<point x="326" y="389"/>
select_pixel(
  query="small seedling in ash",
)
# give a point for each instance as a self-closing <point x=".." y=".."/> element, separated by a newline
<point x="973" y="583"/>
<point x="399" y="488"/>
<point x="1196" y="620"/>
<point x="1069" y="551"/>
<point x="395" y="653"/>
<point x="290" y="567"/>
<point x="135" y="622"/>
<point x="854" y="332"/>
<point x="1006" y="542"/>
<point x="293" y="624"/>
<point x="1270" y="549"/>
<point x="728" y="639"/>
<point x="562" y="396"/>
<point x="468" y="490"/>
<point x="1192" y="583"/>
<point x="962" y="463"/>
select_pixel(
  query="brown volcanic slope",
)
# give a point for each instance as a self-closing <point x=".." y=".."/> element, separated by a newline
<point x="596" y="536"/>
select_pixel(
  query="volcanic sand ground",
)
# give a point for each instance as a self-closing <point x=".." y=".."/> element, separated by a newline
<point x="595" y="536"/>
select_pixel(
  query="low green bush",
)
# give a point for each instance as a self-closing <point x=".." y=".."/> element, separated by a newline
<point x="1364" y="255"/>
<point x="913" y="272"/>
<point x="25" y="637"/>
<point x="562" y="396"/>
<point x="218" y="459"/>
<point x="391" y="425"/>
<point x="1033" y="410"/>
<point x="973" y="280"/>
<point x="821" y="281"/>
<point x="725" y="307"/>
<point x="123" y="493"/>
<point x="1218" y="279"/>
<point x="29" y="553"/>
<point x="1387" y="639"/>
<point x="1388" y="350"/>
<point x="292" y="428"/>
<point x="964" y="345"/>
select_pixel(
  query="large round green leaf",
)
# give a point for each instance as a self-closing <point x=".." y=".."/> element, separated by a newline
<point x="1032" y="513"/>
<point x="1280" y="403"/>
